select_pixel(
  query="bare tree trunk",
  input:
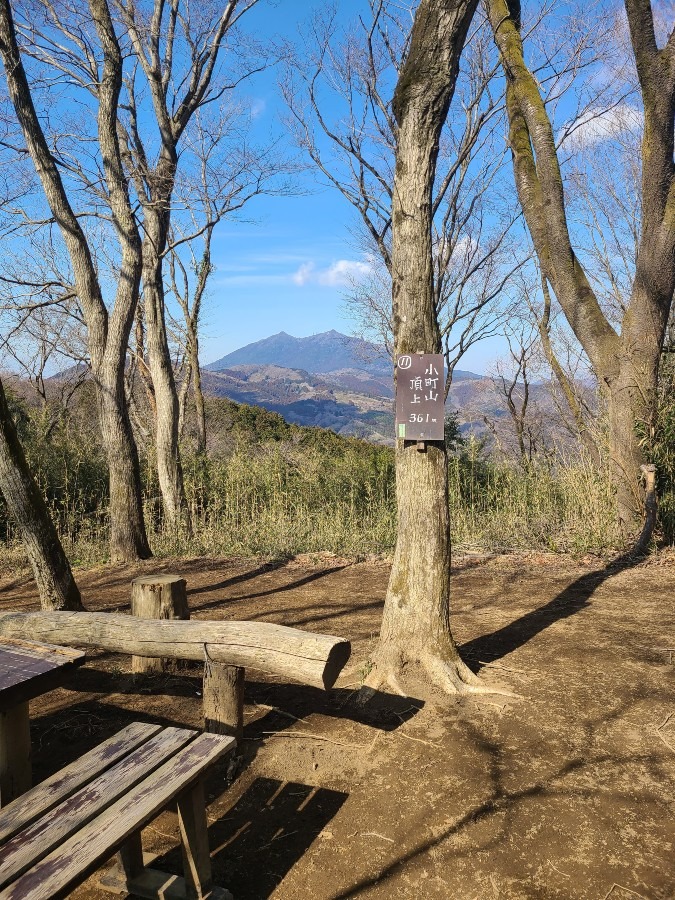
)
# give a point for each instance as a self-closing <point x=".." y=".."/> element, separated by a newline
<point x="53" y="575"/>
<point x="186" y="381"/>
<point x="107" y="331"/>
<point x="416" y="622"/>
<point x="142" y="366"/>
<point x="200" y="409"/>
<point x="632" y="396"/>
<point x="651" y="510"/>
<point x="566" y="386"/>
<point x="128" y="539"/>
<point x="197" y="393"/>
<point x="192" y="328"/>
<point x="169" y="468"/>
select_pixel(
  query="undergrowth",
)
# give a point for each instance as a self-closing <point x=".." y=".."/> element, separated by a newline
<point x="273" y="489"/>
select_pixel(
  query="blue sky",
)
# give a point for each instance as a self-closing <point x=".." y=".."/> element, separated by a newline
<point x="287" y="268"/>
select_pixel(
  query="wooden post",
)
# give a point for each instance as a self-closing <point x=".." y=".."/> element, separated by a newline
<point x="157" y="597"/>
<point x="15" y="766"/>
<point x="651" y="510"/>
<point x="224" y="699"/>
<point x="191" y="806"/>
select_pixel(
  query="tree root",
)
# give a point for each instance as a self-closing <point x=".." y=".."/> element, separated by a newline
<point x="457" y="678"/>
<point x="451" y="677"/>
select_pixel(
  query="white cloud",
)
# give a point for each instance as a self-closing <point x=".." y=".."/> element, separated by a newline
<point x="340" y="274"/>
<point x="304" y="274"/>
<point x="258" y="108"/>
<point x="344" y="272"/>
<point x="598" y="125"/>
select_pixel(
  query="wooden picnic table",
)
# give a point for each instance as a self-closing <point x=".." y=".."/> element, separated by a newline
<point x="27" y="669"/>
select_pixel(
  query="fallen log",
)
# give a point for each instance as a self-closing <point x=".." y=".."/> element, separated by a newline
<point x="314" y="659"/>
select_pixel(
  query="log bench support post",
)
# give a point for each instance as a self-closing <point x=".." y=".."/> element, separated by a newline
<point x="157" y="597"/>
<point x="223" y="698"/>
<point x="193" y="825"/>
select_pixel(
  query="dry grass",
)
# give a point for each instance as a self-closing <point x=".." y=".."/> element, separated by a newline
<point x="283" y="500"/>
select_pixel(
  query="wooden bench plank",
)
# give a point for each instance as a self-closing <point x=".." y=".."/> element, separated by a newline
<point x="82" y="853"/>
<point x="30" y="668"/>
<point x="40" y="837"/>
<point x="44" y="796"/>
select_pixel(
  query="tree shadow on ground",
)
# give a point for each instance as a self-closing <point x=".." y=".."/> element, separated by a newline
<point x="324" y="612"/>
<point x="265" y="568"/>
<point x="283" y="704"/>
<point x="576" y="596"/>
<point x="574" y="777"/>
<point x="271" y="826"/>
<point x="280" y="589"/>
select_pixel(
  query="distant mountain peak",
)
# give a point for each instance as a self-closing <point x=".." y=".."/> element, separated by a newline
<point x="319" y="354"/>
<point x="329" y="351"/>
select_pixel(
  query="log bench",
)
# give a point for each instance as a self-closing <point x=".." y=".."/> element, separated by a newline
<point x="226" y="648"/>
<point x="58" y="833"/>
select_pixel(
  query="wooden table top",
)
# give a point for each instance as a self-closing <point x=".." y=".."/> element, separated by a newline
<point x="28" y="669"/>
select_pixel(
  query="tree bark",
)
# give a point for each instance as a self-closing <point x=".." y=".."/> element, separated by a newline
<point x="625" y="364"/>
<point x="416" y="622"/>
<point x="107" y="332"/>
<point x="127" y="539"/>
<point x="632" y="396"/>
<point x="198" y="394"/>
<point x="169" y="469"/>
<point x="192" y="372"/>
<point x="192" y="326"/>
<point x="53" y="575"/>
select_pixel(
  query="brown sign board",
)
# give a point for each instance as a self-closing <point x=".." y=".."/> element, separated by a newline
<point x="420" y="397"/>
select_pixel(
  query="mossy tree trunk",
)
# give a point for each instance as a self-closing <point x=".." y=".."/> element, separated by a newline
<point x="415" y="631"/>
<point x="626" y="363"/>
<point x="53" y="575"/>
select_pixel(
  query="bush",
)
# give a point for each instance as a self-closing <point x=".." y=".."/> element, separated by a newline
<point x="270" y="488"/>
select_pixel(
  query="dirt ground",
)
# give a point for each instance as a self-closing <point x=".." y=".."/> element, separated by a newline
<point x="565" y="792"/>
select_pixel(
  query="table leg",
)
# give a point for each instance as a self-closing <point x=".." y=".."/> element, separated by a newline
<point x="15" y="768"/>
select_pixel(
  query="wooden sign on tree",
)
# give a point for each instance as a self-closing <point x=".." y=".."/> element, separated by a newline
<point x="420" y="397"/>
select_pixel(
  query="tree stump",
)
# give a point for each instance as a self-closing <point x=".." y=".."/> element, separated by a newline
<point x="224" y="699"/>
<point x="157" y="597"/>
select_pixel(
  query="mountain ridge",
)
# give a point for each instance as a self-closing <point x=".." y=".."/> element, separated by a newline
<point x="322" y="353"/>
<point x="330" y="380"/>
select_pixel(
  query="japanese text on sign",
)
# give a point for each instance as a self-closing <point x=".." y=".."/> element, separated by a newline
<point x="420" y="397"/>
